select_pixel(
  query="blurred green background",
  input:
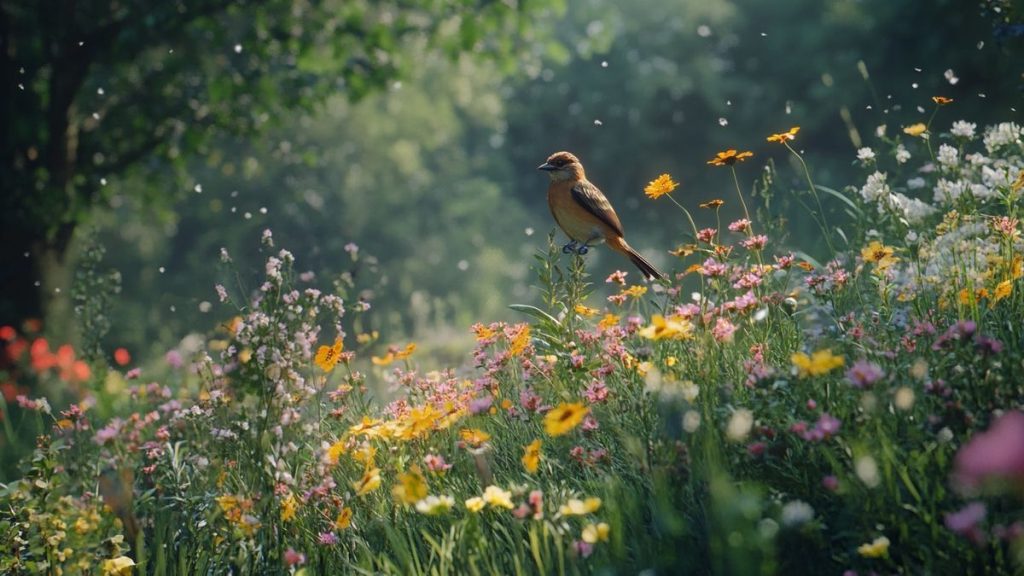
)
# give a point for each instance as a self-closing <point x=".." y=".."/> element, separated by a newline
<point x="163" y="132"/>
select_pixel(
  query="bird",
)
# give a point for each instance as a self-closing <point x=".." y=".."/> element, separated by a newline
<point x="583" y="212"/>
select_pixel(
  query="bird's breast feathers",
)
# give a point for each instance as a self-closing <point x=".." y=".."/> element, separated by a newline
<point x="577" y="222"/>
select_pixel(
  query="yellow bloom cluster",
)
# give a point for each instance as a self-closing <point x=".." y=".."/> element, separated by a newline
<point x="818" y="363"/>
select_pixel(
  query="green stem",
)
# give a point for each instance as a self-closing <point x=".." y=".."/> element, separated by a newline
<point x="688" y="216"/>
<point x="820" y="216"/>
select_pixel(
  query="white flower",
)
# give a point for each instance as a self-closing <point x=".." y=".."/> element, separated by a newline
<point x="913" y="210"/>
<point x="796" y="513"/>
<point x="875" y="187"/>
<point x="949" y="191"/>
<point x="948" y="156"/>
<point x="902" y="154"/>
<point x="963" y="129"/>
<point x="880" y="131"/>
<point x="1001" y="135"/>
<point x="915" y="183"/>
<point x="978" y="159"/>
<point x="432" y="505"/>
<point x="866" y="155"/>
<point x="739" y="425"/>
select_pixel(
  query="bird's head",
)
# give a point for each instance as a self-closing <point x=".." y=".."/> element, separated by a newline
<point x="563" y="166"/>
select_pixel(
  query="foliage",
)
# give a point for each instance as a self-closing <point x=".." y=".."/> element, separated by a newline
<point x="788" y="417"/>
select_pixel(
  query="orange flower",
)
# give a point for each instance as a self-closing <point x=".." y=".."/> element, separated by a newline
<point x="942" y="100"/>
<point x="716" y="203"/>
<point x="394" y="353"/>
<point x="729" y="157"/>
<point x="783" y="137"/>
<point x="683" y="250"/>
<point x="915" y="129"/>
<point x="327" y="356"/>
<point x="660" y="186"/>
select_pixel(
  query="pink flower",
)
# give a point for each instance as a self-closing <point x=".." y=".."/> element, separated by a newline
<point x="830" y="483"/>
<point x="863" y="374"/>
<point x="589" y="423"/>
<point x="596" y="392"/>
<point x="741" y="225"/>
<point x="723" y="330"/>
<point x="436" y="463"/>
<point x="755" y="242"/>
<point x="965" y="521"/>
<point x="617" y="277"/>
<point x="706" y="235"/>
<point x="536" y="500"/>
<point x="582" y="548"/>
<point x="293" y="558"/>
<point x="712" y="268"/>
<point x="328" y="539"/>
<point x="995" y="454"/>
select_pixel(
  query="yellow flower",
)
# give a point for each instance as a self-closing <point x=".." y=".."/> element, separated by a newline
<point x="344" y="519"/>
<point x="120" y="566"/>
<point x="483" y="332"/>
<point x="531" y="456"/>
<point x="519" y="342"/>
<point x="729" y="157"/>
<point x="1018" y="184"/>
<point x="335" y="451"/>
<point x="394" y="353"/>
<point x="635" y="291"/>
<point x="879" y="254"/>
<point x="564" y="418"/>
<point x="475" y="504"/>
<point x="411" y="487"/>
<point x="712" y="204"/>
<point x="783" y="137"/>
<point x="368" y="427"/>
<point x="594" y="533"/>
<point x="877" y="549"/>
<point x="683" y="250"/>
<point x="227" y="503"/>
<point x="915" y="129"/>
<point x="585" y="311"/>
<point x="608" y="321"/>
<point x="473" y="436"/>
<point x="1003" y="289"/>
<point x="419" y="421"/>
<point x="368" y="483"/>
<point x="660" y="186"/>
<point x="288" y="508"/>
<point x="327" y="356"/>
<point x="662" y="328"/>
<point x="365" y="454"/>
<point x="498" y="498"/>
<point x="433" y="505"/>
<point x="942" y="100"/>
<point x="817" y="364"/>
<point x="367" y="337"/>
<point x="576" y="507"/>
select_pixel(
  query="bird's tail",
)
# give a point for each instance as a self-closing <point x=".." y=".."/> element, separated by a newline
<point x="646" y="268"/>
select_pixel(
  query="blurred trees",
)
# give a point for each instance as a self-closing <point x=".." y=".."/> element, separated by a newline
<point x="93" y="90"/>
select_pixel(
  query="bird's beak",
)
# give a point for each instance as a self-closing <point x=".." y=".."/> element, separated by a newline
<point x="547" y="167"/>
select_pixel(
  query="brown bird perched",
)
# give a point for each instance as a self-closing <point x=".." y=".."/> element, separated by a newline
<point x="584" y="213"/>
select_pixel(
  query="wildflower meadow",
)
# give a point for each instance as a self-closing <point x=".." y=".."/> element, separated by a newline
<point x="762" y="411"/>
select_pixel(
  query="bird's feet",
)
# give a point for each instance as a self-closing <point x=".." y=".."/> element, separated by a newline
<point x="569" y="248"/>
<point x="583" y="249"/>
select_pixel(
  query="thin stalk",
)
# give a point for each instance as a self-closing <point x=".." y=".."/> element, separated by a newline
<point x="822" y="222"/>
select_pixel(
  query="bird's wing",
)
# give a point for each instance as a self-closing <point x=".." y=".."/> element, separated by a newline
<point x="591" y="198"/>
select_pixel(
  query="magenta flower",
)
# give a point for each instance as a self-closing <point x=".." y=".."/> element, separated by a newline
<point x="864" y="374"/>
<point x="706" y="235"/>
<point x="328" y="539"/>
<point x="741" y="225"/>
<point x="755" y="242"/>
<point x="293" y="558"/>
<point x="966" y="521"/>
<point x="723" y="330"/>
<point x="997" y="454"/>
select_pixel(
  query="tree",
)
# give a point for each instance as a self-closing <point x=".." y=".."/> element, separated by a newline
<point x="96" y="89"/>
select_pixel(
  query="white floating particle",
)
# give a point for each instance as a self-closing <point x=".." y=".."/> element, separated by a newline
<point x="233" y="209"/>
<point x="703" y="31"/>
<point x="103" y="181"/>
<point x="529" y="231"/>
<point x="868" y="107"/>
<point x="80" y="43"/>
<point x="914" y="85"/>
<point x="789" y="107"/>
<point x="463" y="265"/>
<point x="951" y="77"/>
<point x="56" y="290"/>
<point x="173" y="308"/>
<point x="723" y="122"/>
<point x="171" y="51"/>
<point x="21" y="86"/>
<point x="95" y="115"/>
<point x="198" y="188"/>
<point x="247" y="215"/>
<point x="598" y="123"/>
<point x="100" y="91"/>
<point x="981" y="95"/>
<point x="920" y="109"/>
<point x="764" y="34"/>
<point x="161" y="269"/>
<point x="234" y="193"/>
<point x="26" y="254"/>
<point x="36" y="283"/>
<point x="238" y="48"/>
<point x="604" y="63"/>
<point x="205" y="306"/>
<point x="917" y="69"/>
<point x="728" y="102"/>
<point x="981" y="44"/>
<point x="263" y="210"/>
